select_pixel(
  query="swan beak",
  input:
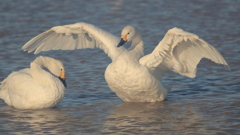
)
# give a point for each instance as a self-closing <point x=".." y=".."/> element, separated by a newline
<point x="62" y="78"/>
<point x="123" y="40"/>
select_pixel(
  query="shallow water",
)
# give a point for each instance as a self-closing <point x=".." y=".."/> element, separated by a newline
<point x="207" y="104"/>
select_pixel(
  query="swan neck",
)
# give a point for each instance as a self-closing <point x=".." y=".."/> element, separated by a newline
<point x="137" y="46"/>
<point x="40" y="62"/>
<point x="38" y="73"/>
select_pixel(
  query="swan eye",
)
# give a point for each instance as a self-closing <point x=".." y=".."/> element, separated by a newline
<point x="128" y="33"/>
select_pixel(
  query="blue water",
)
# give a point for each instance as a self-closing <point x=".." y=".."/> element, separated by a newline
<point x="207" y="104"/>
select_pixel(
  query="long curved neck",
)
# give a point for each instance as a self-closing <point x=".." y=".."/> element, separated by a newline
<point x="38" y="73"/>
<point x="41" y="62"/>
<point x="137" y="47"/>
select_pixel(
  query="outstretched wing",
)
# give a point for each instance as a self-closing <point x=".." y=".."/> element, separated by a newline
<point x="75" y="36"/>
<point x="180" y="51"/>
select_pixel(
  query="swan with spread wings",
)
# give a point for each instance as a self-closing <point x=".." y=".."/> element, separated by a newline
<point x="133" y="76"/>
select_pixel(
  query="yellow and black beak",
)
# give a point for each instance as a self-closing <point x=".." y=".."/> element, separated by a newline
<point x="123" y="40"/>
<point x="62" y="78"/>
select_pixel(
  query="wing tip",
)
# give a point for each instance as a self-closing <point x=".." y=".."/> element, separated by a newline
<point x="25" y="46"/>
<point x="226" y="65"/>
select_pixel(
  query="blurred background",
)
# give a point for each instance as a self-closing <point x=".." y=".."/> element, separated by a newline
<point x="207" y="104"/>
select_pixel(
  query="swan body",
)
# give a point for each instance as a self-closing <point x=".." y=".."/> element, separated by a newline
<point x="133" y="76"/>
<point x="35" y="88"/>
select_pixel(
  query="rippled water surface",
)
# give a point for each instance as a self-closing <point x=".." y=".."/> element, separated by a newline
<point x="207" y="104"/>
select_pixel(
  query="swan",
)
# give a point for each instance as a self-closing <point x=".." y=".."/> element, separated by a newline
<point x="133" y="76"/>
<point x="35" y="88"/>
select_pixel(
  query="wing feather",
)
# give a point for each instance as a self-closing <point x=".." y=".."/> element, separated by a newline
<point x="75" y="36"/>
<point x="181" y="51"/>
<point x="36" y="41"/>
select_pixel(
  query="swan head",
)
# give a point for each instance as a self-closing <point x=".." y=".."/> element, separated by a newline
<point x="128" y="34"/>
<point x="55" y="66"/>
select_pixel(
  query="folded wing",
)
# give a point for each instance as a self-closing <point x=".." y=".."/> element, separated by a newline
<point x="75" y="36"/>
<point x="180" y="51"/>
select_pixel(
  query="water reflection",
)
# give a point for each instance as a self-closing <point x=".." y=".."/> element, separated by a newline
<point x="164" y="117"/>
<point x="44" y="121"/>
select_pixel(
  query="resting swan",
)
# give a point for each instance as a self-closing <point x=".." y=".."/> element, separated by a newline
<point x="131" y="75"/>
<point x="35" y="88"/>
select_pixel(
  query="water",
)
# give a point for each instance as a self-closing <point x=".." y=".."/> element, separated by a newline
<point x="207" y="104"/>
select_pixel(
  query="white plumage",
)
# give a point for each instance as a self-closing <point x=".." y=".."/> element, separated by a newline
<point x="35" y="88"/>
<point x="131" y="75"/>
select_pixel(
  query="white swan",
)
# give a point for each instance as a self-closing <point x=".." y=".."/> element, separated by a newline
<point x="35" y="88"/>
<point x="131" y="75"/>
